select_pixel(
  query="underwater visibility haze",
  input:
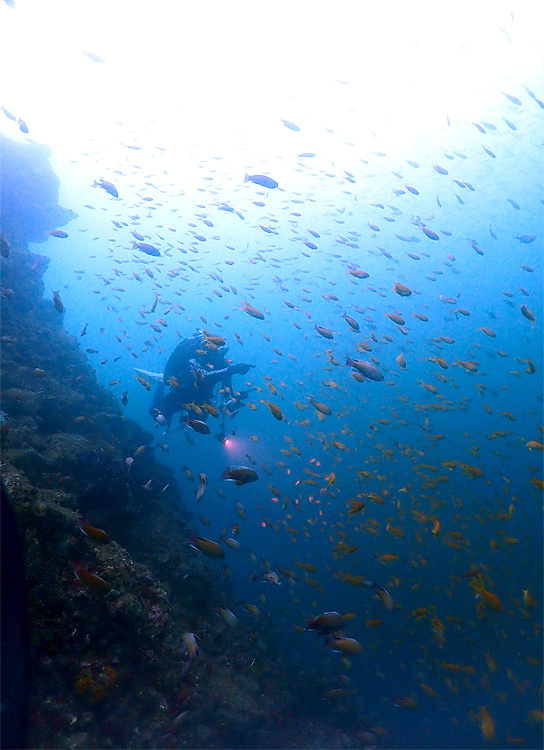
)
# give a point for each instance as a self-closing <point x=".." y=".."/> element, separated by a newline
<point x="272" y="372"/>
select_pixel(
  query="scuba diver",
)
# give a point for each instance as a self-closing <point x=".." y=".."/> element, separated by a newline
<point x="195" y="367"/>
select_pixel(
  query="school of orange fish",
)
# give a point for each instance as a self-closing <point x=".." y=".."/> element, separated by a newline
<point x="397" y="395"/>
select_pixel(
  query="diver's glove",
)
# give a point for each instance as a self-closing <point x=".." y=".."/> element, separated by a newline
<point x="242" y="369"/>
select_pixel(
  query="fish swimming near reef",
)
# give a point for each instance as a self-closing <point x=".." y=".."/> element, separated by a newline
<point x="272" y="577"/>
<point x="209" y="548"/>
<point x="109" y="187"/>
<point x="290" y="125"/>
<point x="57" y="302"/>
<point x="367" y="369"/>
<point x="93" y="56"/>
<point x="203" y="481"/>
<point x="328" y="622"/>
<point x="144" y="247"/>
<point x="197" y="425"/>
<point x="155" y="377"/>
<point x="239" y="475"/>
<point x="262" y="180"/>
<point x="190" y="646"/>
<point x="346" y="646"/>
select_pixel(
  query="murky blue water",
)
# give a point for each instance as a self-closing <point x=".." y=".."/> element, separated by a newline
<point x="414" y="447"/>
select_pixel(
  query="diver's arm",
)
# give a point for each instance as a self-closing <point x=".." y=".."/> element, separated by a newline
<point x="201" y="373"/>
<point x="217" y="375"/>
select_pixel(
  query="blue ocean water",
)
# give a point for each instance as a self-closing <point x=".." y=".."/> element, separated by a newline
<point x="441" y="440"/>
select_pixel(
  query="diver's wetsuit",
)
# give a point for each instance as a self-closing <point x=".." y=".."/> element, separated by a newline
<point x="193" y="381"/>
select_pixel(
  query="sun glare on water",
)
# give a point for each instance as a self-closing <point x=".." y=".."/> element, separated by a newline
<point x="377" y="74"/>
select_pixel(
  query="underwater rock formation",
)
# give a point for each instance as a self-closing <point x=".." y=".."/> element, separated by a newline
<point x="29" y="193"/>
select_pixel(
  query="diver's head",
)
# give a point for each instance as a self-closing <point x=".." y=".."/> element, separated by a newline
<point x="198" y="338"/>
<point x="216" y="356"/>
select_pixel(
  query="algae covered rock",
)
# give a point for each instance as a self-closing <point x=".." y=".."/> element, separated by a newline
<point x="67" y="450"/>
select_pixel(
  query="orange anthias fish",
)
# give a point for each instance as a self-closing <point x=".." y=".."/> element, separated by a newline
<point x="490" y="599"/>
<point x="471" y="471"/>
<point x="99" y="535"/>
<point x="357" y="506"/>
<point x="253" y="311"/>
<point x="275" y="410"/>
<point x="331" y="479"/>
<point x="91" y="580"/>
<point x="487" y="725"/>
<point x="382" y="594"/>
<point x="402" y="290"/>
<point x="409" y="703"/>
<point x="323" y="408"/>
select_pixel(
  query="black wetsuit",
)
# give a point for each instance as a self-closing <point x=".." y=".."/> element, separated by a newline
<point x="195" y="371"/>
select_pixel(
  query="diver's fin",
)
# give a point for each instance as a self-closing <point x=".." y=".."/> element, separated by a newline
<point x="156" y="377"/>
